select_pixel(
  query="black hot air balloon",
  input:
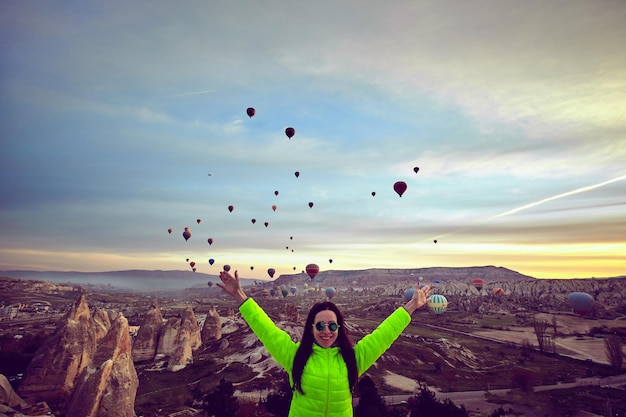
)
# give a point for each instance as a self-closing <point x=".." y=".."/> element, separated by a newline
<point x="373" y="193"/>
<point x="210" y="240"/>
<point x="169" y="231"/>
<point x="226" y="268"/>
<point x="271" y="272"/>
<point x="231" y="208"/>
<point x="310" y="204"/>
<point x="399" y="187"/>
<point x="266" y="224"/>
<point x="211" y="261"/>
<point x="276" y="192"/>
<point x="290" y="131"/>
<point x="253" y="221"/>
<point x="416" y="169"/>
<point x="187" y="233"/>
<point x="250" y="111"/>
<point x="297" y="174"/>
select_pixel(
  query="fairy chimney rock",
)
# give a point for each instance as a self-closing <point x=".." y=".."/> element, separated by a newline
<point x="212" y="327"/>
<point x="147" y="339"/>
<point x="176" y="334"/>
<point x="108" y="386"/>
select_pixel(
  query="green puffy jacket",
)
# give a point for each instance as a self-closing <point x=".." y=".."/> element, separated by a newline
<point x="325" y="376"/>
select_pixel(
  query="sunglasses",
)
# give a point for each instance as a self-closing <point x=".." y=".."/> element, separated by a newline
<point x="332" y="326"/>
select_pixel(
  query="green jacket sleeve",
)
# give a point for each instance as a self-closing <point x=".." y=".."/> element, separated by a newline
<point x="373" y="345"/>
<point x="277" y="341"/>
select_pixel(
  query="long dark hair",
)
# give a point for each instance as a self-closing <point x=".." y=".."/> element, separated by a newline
<point x="346" y="347"/>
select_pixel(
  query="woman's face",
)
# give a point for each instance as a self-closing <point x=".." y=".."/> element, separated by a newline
<point x="325" y="337"/>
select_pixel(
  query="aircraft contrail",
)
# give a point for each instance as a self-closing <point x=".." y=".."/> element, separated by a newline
<point x="194" y="93"/>
<point x="537" y="203"/>
<point x="556" y="197"/>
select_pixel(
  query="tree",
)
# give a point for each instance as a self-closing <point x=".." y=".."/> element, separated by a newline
<point x="613" y="348"/>
<point x="370" y="403"/>
<point x="221" y="402"/>
<point x="425" y="404"/>
<point x="540" y="331"/>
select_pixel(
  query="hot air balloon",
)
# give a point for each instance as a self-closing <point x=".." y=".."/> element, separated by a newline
<point x="265" y="293"/>
<point x="187" y="233"/>
<point x="266" y="224"/>
<point x="271" y="272"/>
<point x="272" y="292"/>
<point x="169" y="231"/>
<point x="193" y="269"/>
<point x="198" y="221"/>
<point x="498" y="291"/>
<point x="226" y="268"/>
<point x="210" y="284"/>
<point x="437" y="303"/>
<point x="312" y="270"/>
<point x="250" y="111"/>
<point x="276" y="192"/>
<point x="330" y="261"/>
<point x="399" y="187"/>
<point x="253" y="221"/>
<point x="408" y="294"/>
<point x="297" y="174"/>
<point x="373" y="193"/>
<point x="251" y="268"/>
<point x="211" y="261"/>
<point x="231" y="208"/>
<point x="478" y="283"/>
<point x="284" y="291"/>
<point x="274" y="207"/>
<point x="192" y="264"/>
<point x="416" y="169"/>
<point x="290" y="131"/>
<point x="581" y="302"/>
<point x="330" y="292"/>
<point x="293" y="289"/>
<point x="311" y="204"/>
<point x="210" y="240"/>
<point x="435" y="240"/>
<point x="437" y="281"/>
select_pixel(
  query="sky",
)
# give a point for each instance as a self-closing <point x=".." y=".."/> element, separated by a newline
<point x="120" y="120"/>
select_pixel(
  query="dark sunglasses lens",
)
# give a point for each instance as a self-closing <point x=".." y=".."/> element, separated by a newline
<point x="332" y="326"/>
<point x="320" y="325"/>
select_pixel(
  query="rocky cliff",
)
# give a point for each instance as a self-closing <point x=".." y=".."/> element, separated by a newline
<point x="147" y="339"/>
<point x="212" y="327"/>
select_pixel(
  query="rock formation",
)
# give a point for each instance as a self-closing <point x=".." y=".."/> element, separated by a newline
<point x="147" y="339"/>
<point x="52" y="373"/>
<point x="212" y="327"/>
<point x="175" y="336"/>
<point x="291" y="313"/>
<point x="8" y="396"/>
<point x="107" y="387"/>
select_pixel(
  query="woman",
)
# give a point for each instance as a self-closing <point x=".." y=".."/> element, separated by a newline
<point x="324" y="367"/>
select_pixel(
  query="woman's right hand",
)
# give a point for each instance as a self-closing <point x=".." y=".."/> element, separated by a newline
<point x="232" y="286"/>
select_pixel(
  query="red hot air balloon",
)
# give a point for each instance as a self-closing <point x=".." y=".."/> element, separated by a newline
<point x="192" y="264"/>
<point x="250" y="111"/>
<point x="271" y="272"/>
<point x="231" y="208"/>
<point x="274" y="207"/>
<point x="310" y="204"/>
<point x="399" y="187"/>
<point x="210" y="240"/>
<point x="187" y="233"/>
<point x="297" y="174"/>
<point x="312" y="270"/>
<point x="478" y="283"/>
<point x="290" y="131"/>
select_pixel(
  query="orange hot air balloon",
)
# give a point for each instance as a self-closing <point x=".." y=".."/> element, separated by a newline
<point x="498" y="291"/>
<point x="400" y="187"/>
<point x="187" y="233"/>
<point x="231" y="208"/>
<point x="274" y="207"/>
<point x="290" y="131"/>
<point x="210" y="240"/>
<point x="312" y="270"/>
<point x="250" y="111"/>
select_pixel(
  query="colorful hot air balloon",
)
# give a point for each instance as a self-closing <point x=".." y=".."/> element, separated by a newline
<point x="312" y="270"/>
<point x="250" y="111"/>
<point x="437" y="303"/>
<point x="226" y="268"/>
<point x="581" y="302"/>
<point x="271" y="272"/>
<point x="231" y="208"/>
<point x="211" y="261"/>
<point x="478" y="283"/>
<point x="399" y="187"/>
<point x="210" y="240"/>
<point x="498" y="291"/>
<point x="187" y="233"/>
<point x="330" y="292"/>
<point x="290" y="131"/>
